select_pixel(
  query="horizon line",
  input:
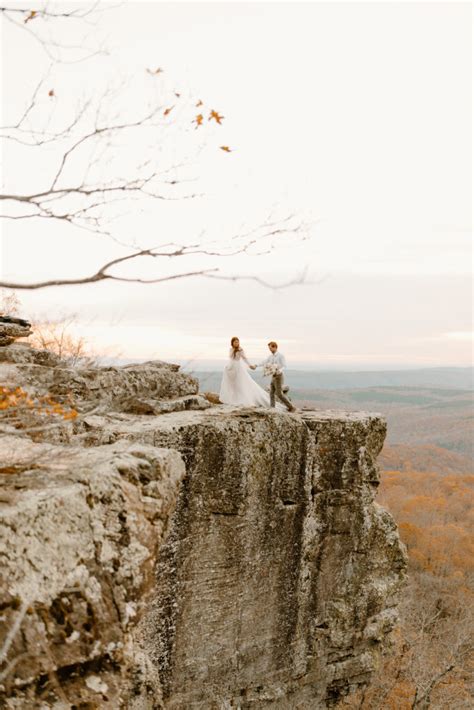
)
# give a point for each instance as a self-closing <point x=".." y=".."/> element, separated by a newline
<point x="303" y="364"/>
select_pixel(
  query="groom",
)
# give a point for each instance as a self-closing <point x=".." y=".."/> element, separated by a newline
<point x="276" y="388"/>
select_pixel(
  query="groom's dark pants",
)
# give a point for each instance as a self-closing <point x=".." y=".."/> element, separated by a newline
<point x="276" y="389"/>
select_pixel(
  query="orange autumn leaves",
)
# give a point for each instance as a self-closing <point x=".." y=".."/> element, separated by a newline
<point x="435" y="519"/>
<point x="15" y="402"/>
<point x="213" y="116"/>
<point x="31" y="16"/>
<point x="429" y="663"/>
<point x="201" y="117"/>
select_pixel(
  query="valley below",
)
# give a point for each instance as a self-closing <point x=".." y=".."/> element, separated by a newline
<point x="429" y="413"/>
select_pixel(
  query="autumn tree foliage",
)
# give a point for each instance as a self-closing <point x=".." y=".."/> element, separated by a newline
<point x="32" y="413"/>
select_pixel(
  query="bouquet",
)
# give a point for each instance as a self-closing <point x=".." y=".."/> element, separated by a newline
<point x="271" y="369"/>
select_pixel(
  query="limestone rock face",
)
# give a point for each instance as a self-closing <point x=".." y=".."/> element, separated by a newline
<point x="169" y="557"/>
<point x="10" y="331"/>
<point x="134" y="405"/>
<point x="111" y="388"/>
<point x="21" y="353"/>
<point x="79" y="535"/>
<point x="280" y="576"/>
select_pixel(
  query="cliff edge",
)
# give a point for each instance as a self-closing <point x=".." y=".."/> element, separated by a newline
<point x="160" y="552"/>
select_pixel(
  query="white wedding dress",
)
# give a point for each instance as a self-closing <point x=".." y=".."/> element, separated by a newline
<point x="237" y="385"/>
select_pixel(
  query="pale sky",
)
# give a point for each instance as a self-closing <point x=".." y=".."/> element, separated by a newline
<point x="356" y="116"/>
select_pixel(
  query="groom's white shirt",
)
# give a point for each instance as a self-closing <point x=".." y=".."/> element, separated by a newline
<point x="274" y="359"/>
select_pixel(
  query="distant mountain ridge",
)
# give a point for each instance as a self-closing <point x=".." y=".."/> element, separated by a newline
<point x="459" y="378"/>
<point x="434" y="421"/>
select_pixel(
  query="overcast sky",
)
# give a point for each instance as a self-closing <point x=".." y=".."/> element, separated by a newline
<point x="356" y="116"/>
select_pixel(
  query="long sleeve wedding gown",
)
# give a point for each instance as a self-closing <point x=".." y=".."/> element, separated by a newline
<point x="237" y="385"/>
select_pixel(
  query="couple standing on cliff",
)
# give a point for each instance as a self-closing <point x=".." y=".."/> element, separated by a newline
<point x="238" y="387"/>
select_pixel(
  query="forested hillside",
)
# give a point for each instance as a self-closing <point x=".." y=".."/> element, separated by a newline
<point x="432" y="663"/>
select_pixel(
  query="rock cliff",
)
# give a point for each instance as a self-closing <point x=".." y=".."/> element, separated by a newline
<point x="160" y="552"/>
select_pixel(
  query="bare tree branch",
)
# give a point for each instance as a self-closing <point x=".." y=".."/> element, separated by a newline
<point x="295" y="281"/>
<point x="172" y="250"/>
<point x="88" y="166"/>
<point x="34" y="22"/>
<point x="103" y="275"/>
<point x="90" y="130"/>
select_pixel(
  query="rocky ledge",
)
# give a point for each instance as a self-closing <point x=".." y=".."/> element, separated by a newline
<point x="216" y="558"/>
<point x="13" y="328"/>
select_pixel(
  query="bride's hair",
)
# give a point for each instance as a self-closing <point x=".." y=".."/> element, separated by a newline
<point x="232" y="341"/>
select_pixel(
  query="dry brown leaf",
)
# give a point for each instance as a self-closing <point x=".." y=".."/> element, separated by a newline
<point x="216" y="116"/>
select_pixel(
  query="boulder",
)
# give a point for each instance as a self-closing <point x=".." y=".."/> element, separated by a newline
<point x="13" y="328"/>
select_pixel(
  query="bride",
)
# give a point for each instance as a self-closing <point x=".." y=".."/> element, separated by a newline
<point x="237" y="386"/>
